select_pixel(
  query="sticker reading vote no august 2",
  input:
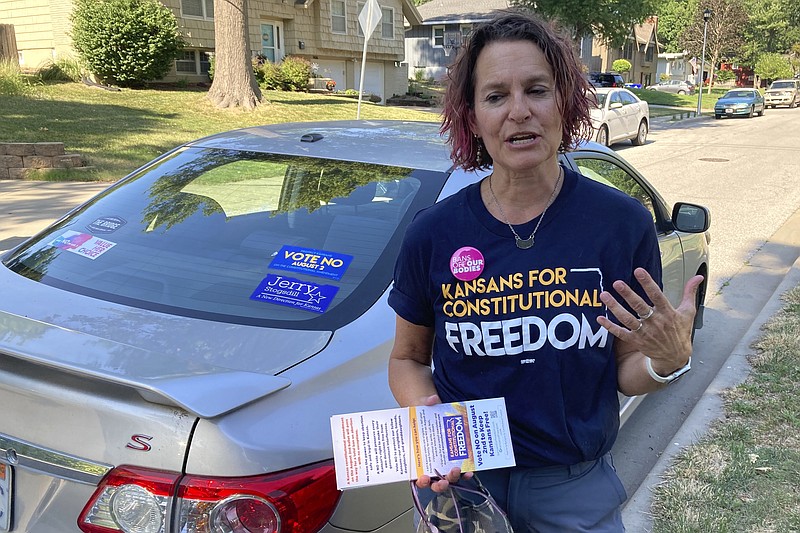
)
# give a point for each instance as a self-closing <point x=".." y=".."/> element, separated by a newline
<point x="309" y="261"/>
<point x="295" y="293"/>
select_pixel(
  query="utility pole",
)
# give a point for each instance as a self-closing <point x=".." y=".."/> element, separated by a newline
<point x="706" y="16"/>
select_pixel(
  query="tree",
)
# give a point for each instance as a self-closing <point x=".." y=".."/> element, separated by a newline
<point x="234" y="84"/>
<point x="769" y="29"/>
<point x="773" y="67"/>
<point x="673" y="17"/>
<point x="126" y="41"/>
<point x="613" y="20"/>
<point x="724" y="34"/>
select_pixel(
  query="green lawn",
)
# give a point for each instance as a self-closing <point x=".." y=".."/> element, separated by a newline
<point x="117" y="131"/>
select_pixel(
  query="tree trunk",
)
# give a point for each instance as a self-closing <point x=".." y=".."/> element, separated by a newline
<point x="234" y="84"/>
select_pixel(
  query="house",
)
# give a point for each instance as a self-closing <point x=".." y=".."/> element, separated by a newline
<point x="432" y="43"/>
<point x="677" y="66"/>
<point x="640" y="48"/>
<point x="326" y="32"/>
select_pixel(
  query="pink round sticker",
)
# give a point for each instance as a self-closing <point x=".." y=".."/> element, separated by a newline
<point x="467" y="263"/>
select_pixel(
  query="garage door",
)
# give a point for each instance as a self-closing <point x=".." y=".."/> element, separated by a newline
<point x="334" y="69"/>
<point x="373" y="78"/>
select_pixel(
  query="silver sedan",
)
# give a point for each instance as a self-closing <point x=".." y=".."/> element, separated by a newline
<point x="171" y="351"/>
<point x="620" y="115"/>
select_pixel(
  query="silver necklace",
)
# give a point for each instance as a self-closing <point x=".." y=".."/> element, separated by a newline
<point x="524" y="244"/>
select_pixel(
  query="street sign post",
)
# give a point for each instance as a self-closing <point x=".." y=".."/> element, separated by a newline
<point x="369" y="18"/>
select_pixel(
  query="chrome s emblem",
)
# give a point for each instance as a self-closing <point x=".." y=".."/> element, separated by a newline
<point x="140" y="443"/>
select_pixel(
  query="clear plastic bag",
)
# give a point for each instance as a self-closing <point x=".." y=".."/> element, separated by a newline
<point x="461" y="509"/>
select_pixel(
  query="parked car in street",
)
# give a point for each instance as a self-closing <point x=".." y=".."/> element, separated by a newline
<point x="741" y="103"/>
<point x="620" y="115"/>
<point x="606" y="79"/>
<point x="783" y="92"/>
<point x="673" y="86"/>
<point x="172" y="350"/>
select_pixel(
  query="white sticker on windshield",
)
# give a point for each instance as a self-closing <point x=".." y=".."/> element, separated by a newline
<point x="82" y="244"/>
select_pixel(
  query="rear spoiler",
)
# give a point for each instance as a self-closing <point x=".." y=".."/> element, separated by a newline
<point x="204" y="390"/>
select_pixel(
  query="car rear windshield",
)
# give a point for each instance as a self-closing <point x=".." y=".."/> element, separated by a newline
<point x="237" y="236"/>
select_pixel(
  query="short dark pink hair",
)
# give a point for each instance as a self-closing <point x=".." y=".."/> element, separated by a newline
<point x="571" y="86"/>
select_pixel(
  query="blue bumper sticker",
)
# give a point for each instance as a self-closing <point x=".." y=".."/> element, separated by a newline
<point x="309" y="261"/>
<point x="295" y="293"/>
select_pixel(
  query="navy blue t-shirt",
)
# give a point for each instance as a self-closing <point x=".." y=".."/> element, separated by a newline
<point x="522" y="324"/>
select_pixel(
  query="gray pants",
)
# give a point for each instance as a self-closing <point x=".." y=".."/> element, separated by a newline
<point x="585" y="497"/>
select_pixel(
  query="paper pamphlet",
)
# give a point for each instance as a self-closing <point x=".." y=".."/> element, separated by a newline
<point x="374" y="447"/>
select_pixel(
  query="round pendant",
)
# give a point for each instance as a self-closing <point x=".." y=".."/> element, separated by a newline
<point x="524" y="244"/>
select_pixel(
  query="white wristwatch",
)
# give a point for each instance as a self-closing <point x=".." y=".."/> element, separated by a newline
<point x="667" y="379"/>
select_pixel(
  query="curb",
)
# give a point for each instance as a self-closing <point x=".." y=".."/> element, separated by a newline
<point x="636" y="514"/>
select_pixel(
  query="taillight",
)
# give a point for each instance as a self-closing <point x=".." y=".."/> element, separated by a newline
<point x="133" y="500"/>
<point x="128" y="500"/>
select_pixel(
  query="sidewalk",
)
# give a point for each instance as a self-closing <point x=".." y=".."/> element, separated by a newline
<point x="26" y="207"/>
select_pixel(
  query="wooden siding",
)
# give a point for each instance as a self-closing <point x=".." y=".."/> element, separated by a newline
<point x="42" y="30"/>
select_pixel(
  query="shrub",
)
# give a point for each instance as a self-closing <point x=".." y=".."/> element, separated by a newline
<point x="295" y="72"/>
<point x="724" y="76"/>
<point x="621" y="65"/>
<point x="268" y="75"/>
<point x="61" y="69"/>
<point x="126" y="41"/>
<point x="12" y="82"/>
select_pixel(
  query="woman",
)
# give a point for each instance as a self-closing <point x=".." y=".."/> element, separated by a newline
<point x="533" y="318"/>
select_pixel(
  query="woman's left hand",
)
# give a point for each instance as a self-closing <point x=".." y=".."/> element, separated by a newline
<point x="661" y="332"/>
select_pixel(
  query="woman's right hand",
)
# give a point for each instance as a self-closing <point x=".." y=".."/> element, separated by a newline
<point x="437" y="484"/>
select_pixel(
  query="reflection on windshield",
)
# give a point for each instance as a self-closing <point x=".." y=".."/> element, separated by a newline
<point x="201" y="230"/>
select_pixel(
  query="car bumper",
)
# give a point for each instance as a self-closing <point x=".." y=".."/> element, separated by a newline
<point x="779" y="100"/>
<point x="731" y="111"/>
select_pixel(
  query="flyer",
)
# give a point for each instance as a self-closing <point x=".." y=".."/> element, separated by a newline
<point x="391" y="445"/>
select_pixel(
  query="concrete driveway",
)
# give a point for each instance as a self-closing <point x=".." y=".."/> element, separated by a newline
<point x="28" y="206"/>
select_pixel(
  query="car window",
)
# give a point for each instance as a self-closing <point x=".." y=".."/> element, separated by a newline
<point x="612" y="174"/>
<point x="627" y="98"/>
<point x="615" y="98"/>
<point x="600" y="98"/>
<point x="783" y="85"/>
<point x="738" y="94"/>
<point x="245" y="237"/>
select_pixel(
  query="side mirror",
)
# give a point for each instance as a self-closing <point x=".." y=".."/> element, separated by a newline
<point x="691" y="218"/>
<point x="615" y="105"/>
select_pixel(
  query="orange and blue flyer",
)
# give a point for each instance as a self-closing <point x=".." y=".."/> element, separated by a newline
<point x="391" y="445"/>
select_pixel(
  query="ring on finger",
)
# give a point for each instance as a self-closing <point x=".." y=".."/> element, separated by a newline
<point x="648" y="315"/>
<point x="641" y="323"/>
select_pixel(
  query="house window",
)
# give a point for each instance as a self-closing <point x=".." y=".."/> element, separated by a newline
<point x="198" y="8"/>
<point x="205" y="62"/>
<point x="338" y="16"/>
<point x="627" y="52"/>
<point x="648" y="54"/>
<point x="466" y="29"/>
<point x="438" y="36"/>
<point x="193" y="62"/>
<point x="387" y="23"/>
<point x="185" y="62"/>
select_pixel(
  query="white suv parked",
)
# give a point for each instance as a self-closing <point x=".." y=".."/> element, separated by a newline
<point x="783" y="92"/>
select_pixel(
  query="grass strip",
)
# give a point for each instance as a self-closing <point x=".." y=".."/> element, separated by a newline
<point x="744" y="474"/>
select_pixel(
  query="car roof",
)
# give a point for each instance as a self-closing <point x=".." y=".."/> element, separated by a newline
<point x="394" y="143"/>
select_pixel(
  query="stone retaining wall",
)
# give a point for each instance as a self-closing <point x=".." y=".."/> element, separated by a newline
<point x="18" y="159"/>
